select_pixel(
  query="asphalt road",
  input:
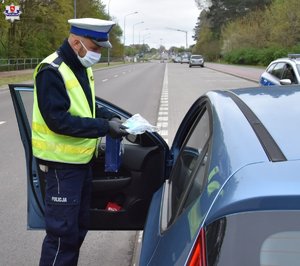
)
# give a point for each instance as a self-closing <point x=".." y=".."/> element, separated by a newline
<point x="160" y="92"/>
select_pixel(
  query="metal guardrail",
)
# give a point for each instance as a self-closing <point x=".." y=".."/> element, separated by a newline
<point x="30" y="63"/>
<point x="9" y="64"/>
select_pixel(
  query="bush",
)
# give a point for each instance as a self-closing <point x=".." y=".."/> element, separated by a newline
<point x="255" y="56"/>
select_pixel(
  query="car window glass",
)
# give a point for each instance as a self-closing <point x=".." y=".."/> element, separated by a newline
<point x="286" y="242"/>
<point x="257" y="237"/>
<point x="189" y="168"/>
<point x="270" y="68"/>
<point x="27" y="100"/>
<point x="289" y="74"/>
<point x="278" y="70"/>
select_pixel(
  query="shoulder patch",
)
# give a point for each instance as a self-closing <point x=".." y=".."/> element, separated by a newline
<point x="57" y="62"/>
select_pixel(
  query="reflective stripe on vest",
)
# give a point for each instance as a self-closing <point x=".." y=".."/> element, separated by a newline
<point x="50" y="146"/>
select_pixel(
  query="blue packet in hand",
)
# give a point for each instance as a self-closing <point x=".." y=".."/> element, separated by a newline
<point x="112" y="154"/>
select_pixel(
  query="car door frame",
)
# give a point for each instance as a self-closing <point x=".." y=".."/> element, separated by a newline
<point x="35" y="209"/>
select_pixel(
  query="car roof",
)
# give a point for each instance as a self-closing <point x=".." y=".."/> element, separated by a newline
<point x="278" y="110"/>
<point x="246" y="174"/>
<point x="291" y="59"/>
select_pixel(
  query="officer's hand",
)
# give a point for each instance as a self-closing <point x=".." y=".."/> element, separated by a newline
<point x="116" y="119"/>
<point x="116" y="129"/>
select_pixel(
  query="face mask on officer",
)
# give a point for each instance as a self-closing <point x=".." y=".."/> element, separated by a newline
<point x="90" y="57"/>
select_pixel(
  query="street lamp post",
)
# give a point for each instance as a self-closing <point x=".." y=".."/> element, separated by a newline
<point x="186" y="42"/>
<point x="108" y="49"/>
<point x="125" y="29"/>
<point x="133" y="30"/>
<point x="125" y="23"/>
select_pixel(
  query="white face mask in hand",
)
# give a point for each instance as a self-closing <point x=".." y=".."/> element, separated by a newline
<point x="90" y="57"/>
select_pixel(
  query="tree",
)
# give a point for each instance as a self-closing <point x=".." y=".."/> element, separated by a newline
<point x="223" y="11"/>
<point x="43" y="26"/>
<point x="283" y="22"/>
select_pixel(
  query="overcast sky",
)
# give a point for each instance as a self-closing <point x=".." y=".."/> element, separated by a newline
<point x="161" y="21"/>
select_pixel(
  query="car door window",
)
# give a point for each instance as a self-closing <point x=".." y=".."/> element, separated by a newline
<point x="188" y="174"/>
<point x="278" y="70"/>
<point x="270" y="68"/>
<point x="289" y="74"/>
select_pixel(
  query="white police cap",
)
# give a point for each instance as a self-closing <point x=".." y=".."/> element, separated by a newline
<point x="95" y="29"/>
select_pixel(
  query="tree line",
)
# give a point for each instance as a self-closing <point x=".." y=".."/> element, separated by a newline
<point x="248" y="31"/>
<point x="43" y="27"/>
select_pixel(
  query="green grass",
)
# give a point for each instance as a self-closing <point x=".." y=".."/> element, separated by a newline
<point x="15" y="79"/>
<point x="25" y="77"/>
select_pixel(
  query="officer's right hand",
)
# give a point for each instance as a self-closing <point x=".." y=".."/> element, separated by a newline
<point x="116" y="129"/>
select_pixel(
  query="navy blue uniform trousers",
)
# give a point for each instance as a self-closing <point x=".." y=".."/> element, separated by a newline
<point x="67" y="201"/>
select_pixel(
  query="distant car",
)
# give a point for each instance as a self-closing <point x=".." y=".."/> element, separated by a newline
<point x="196" y="60"/>
<point x="226" y="193"/>
<point x="283" y="71"/>
<point x="177" y="59"/>
<point x="184" y="59"/>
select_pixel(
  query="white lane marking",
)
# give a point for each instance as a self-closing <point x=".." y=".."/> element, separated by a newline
<point x="2" y="122"/>
<point x="115" y="76"/>
<point x="163" y="114"/>
<point x="104" y="80"/>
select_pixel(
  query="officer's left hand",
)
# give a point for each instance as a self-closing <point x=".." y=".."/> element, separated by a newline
<point x="116" y="129"/>
<point x="116" y="119"/>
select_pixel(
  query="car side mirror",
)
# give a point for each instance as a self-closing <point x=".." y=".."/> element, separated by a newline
<point x="285" y="82"/>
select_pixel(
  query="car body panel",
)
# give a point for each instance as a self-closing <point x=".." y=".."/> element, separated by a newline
<point x="226" y="118"/>
<point x="232" y="162"/>
<point x="282" y="71"/>
<point x="271" y="189"/>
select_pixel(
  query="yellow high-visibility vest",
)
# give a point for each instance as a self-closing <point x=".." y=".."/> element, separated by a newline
<point x="50" y="146"/>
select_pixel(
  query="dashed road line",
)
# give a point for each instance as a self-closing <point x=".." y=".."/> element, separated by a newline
<point x="163" y="113"/>
<point x="104" y="80"/>
<point x="2" y="122"/>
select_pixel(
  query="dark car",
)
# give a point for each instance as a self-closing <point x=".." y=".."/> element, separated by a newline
<point x="226" y="193"/>
<point x="196" y="60"/>
<point x="283" y="71"/>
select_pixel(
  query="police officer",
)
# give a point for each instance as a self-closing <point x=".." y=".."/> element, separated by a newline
<point x="65" y="126"/>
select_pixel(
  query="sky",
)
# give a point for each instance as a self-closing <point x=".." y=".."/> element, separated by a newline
<point x="158" y="22"/>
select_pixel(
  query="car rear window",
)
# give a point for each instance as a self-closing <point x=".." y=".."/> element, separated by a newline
<point x="196" y="56"/>
<point x="255" y="238"/>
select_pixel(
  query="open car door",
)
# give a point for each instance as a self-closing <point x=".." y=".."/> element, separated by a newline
<point x="143" y="170"/>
